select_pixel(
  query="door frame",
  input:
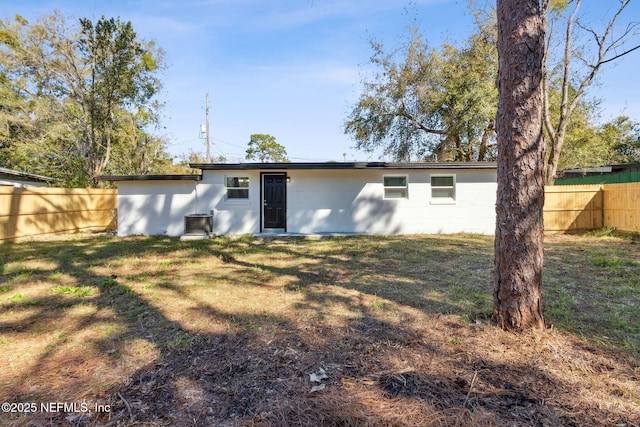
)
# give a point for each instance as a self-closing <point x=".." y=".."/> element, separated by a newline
<point x="262" y="200"/>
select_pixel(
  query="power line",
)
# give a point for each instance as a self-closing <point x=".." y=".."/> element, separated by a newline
<point x="182" y="142"/>
<point x="228" y="143"/>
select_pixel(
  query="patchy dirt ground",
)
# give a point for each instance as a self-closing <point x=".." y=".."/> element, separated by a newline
<point x="345" y="332"/>
<point x="377" y="375"/>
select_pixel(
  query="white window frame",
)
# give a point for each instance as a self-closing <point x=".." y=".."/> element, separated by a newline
<point x="396" y="187"/>
<point x="227" y="188"/>
<point x="438" y="200"/>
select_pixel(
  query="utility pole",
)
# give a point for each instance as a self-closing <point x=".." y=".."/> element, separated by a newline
<point x="207" y="127"/>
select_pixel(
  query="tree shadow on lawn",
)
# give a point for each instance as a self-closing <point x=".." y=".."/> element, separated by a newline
<point x="443" y="275"/>
<point x="379" y="320"/>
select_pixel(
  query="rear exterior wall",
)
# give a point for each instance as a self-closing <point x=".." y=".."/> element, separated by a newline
<point x="318" y="201"/>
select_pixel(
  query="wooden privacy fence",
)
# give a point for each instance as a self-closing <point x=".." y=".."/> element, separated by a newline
<point x="573" y="208"/>
<point x="588" y="207"/>
<point x="622" y="206"/>
<point x="35" y="211"/>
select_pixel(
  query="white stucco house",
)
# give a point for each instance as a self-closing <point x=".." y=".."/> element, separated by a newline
<point x="313" y="198"/>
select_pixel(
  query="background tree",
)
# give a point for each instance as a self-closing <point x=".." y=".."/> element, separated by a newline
<point x="182" y="162"/>
<point x="119" y="77"/>
<point x="624" y="135"/>
<point x="263" y="147"/>
<point x="438" y="102"/>
<point x="583" y="147"/>
<point x="604" y="47"/>
<point x="588" y="145"/>
<point x="31" y="115"/>
<point x="76" y="97"/>
<point x="138" y="152"/>
<point x="424" y="101"/>
<point x="520" y="195"/>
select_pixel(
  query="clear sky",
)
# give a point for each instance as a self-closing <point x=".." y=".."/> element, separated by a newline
<point x="291" y="68"/>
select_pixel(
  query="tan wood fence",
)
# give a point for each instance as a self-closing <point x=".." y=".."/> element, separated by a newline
<point x="622" y="206"/>
<point x="36" y="211"/>
<point x="573" y="208"/>
<point x="588" y="207"/>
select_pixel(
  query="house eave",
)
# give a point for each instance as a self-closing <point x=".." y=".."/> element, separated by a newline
<point x="343" y="165"/>
<point x="151" y="178"/>
<point x="10" y="173"/>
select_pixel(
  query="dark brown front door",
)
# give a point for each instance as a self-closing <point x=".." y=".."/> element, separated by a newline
<point x="274" y="200"/>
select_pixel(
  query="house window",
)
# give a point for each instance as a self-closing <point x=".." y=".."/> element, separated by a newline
<point x="237" y="187"/>
<point x="443" y="188"/>
<point x="395" y="187"/>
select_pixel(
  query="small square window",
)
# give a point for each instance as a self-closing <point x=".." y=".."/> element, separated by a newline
<point x="237" y="187"/>
<point x="443" y="187"/>
<point x="395" y="187"/>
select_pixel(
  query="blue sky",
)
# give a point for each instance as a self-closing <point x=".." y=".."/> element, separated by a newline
<point x="289" y="68"/>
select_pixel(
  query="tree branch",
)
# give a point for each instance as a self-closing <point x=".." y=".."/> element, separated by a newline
<point x="403" y="113"/>
<point x="619" y="55"/>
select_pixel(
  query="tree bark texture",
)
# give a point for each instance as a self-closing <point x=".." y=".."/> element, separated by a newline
<point x="520" y="198"/>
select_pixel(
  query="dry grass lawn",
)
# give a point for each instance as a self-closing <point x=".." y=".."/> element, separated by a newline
<point x="348" y="331"/>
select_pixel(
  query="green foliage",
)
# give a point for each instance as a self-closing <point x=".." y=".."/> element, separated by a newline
<point x="263" y="147"/>
<point x="557" y="6"/>
<point x="623" y="135"/>
<point x="182" y="162"/>
<point x="137" y="152"/>
<point x="77" y="101"/>
<point x="588" y="145"/>
<point x="581" y="149"/>
<point x="430" y="101"/>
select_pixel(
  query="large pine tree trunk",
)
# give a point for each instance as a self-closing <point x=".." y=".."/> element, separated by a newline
<point x="520" y="198"/>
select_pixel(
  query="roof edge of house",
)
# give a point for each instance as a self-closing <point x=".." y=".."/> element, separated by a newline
<point x="191" y="177"/>
<point x="343" y="165"/>
<point x="28" y="176"/>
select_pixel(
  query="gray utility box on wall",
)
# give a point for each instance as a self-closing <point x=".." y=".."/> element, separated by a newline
<point x="198" y="224"/>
